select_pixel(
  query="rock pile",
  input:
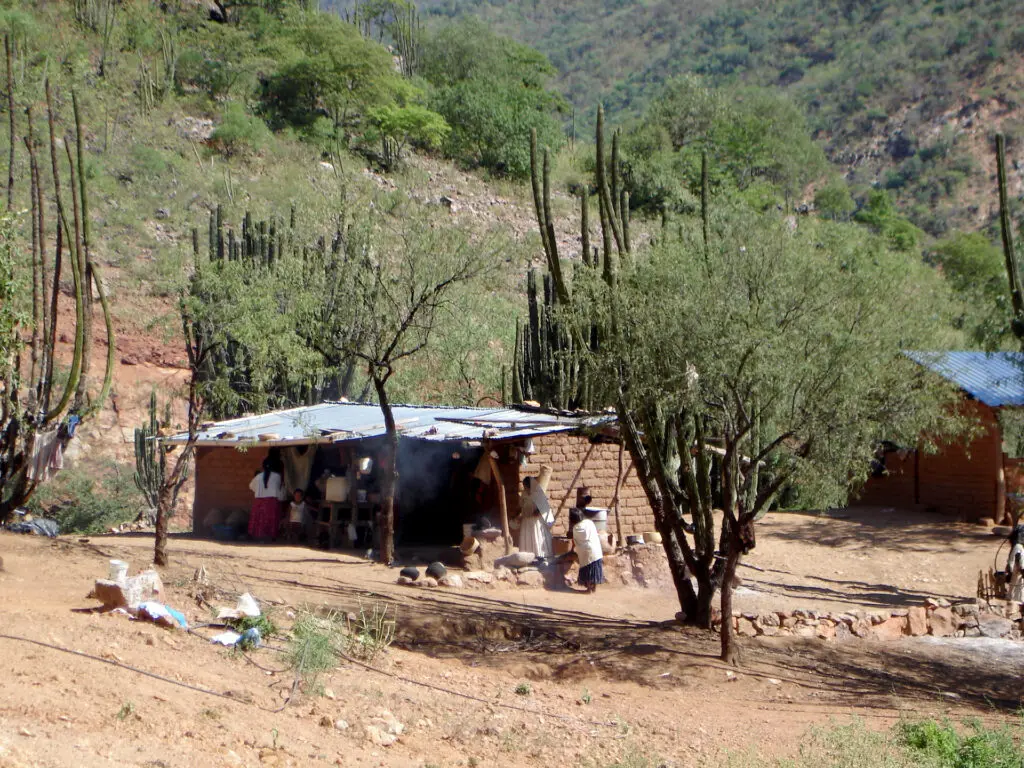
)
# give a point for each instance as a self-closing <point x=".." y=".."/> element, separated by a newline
<point x="937" y="617"/>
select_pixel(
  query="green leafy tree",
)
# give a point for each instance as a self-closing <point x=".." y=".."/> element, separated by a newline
<point x="412" y="124"/>
<point x="834" y="200"/>
<point x="976" y="272"/>
<point x="775" y="359"/>
<point x="492" y="92"/>
<point x="879" y="213"/>
<point x="390" y="309"/>
<point x="330" y="69"/>
<point x="757" y="141"/>
<point x="239" y="132"/>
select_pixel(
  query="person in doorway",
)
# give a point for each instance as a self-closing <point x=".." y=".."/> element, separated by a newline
<point x="1015" y="565"/>
<point x="268" y="491"/>
<point x="300" y="518"/>
<point x="587" y="544"/>
<point x="536" y="520"/>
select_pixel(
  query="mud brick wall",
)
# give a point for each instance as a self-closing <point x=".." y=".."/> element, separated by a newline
<point x="961" y="479"/>
<point x="564" y="452"/>
<point x="222" y="476"/>
<point x="964" y="479"/>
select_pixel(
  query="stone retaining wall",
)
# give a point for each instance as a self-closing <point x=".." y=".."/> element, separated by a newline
<point x="937" y="617"/>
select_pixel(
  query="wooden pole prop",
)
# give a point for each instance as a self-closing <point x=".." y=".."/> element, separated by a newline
<point x="575" y="477"/>
<point x="619" y="480"/>
<point x="502" y="503"/>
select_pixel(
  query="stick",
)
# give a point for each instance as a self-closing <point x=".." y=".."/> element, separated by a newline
<point x="620" y="480"/>
<point x="574" y="479"/>
<point x="502" y="504"/>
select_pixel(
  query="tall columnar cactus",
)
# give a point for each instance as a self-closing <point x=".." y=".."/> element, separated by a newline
<point x="1009" y="253"/>
<point x="551" y="359"/>
<point x="150" y="457"/>
<point x="33" y="406"/>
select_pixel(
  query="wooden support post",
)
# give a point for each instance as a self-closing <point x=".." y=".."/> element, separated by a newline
<point x="572" y="483"/>
<point x="620" y="479"/>
<point x="502" y="501"/>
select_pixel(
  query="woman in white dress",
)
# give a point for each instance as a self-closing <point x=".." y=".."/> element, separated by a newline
<point x="536" y="520"/>
<point x="587" y="543"/>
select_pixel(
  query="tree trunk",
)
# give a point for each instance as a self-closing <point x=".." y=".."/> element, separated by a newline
<point x="688" y="598"/>
<point x="164" y="510"/>
<point x="705" y="597"/>
<point x="730" y="652"/>
<point x="389" y="474"/>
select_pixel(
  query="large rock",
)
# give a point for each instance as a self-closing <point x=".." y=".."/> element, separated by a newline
<point x="826" y="630"/>
<point x="843" y="632"/>
<point x="942" y="622"/>
<point x="530" y="577"/>
<point x="481" y="577"/>
<point x="516" y="560"/>
<point x="745" y="627"/>
<point x="917" y="621"/>
<point x="892" y="628"/>
<point x="994" y="626"/>
<point x="966" y="609"/>
<point x="861" y="627"/>
<point x="452" y="580"/>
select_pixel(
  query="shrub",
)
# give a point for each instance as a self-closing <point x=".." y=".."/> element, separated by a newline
<point x="82" y="503"/>
<point x="239" y="132"/>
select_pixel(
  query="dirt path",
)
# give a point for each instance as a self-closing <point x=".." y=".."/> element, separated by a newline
<point x="607" y="676"/>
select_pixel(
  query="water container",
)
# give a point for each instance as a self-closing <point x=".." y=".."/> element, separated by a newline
<point x="118" y="571"/>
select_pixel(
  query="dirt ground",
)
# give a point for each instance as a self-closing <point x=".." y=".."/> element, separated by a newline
<point x="599" y="677"/>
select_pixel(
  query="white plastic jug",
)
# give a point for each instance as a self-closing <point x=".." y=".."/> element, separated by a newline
<point x="118" y="571"/>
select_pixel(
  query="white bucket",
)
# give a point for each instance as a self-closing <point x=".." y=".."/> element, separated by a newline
<point x="118" y="570"/>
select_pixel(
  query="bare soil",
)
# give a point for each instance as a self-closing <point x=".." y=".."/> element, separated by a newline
<point x="601" y="677"/>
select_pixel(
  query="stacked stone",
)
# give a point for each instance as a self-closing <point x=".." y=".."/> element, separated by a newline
<point x="937" y="617"/>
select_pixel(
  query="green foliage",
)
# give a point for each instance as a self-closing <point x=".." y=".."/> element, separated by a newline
<point x="804" y="331"/>
<point x="880" y="214"/>
<point x="312" y="650"/>
<point x="328" y="68"/>
<point x="401" y="126"/>
<point x="846" y="66"/>
<point x="264" y="623"/>
<point x="834" y="200"/>
<point x="975" y="746"/>
<point x="492" y="92"/>
<point x="239" y="132"/>
<point x="11" y="315"/>
<point x="86" y="501"/>
<point x="757" y="141"/>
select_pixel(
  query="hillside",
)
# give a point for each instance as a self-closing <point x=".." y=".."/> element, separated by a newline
<point x="167" y="143"/>
<point x="905" y="95"/>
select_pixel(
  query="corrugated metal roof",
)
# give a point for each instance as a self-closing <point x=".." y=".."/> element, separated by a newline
<point x="338" y="422"/>
<point x="994" y="378"/>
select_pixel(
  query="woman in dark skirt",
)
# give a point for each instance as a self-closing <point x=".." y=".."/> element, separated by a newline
<point x="587" y="544"/>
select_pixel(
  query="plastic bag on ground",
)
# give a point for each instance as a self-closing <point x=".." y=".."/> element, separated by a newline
<point x="246" y="606"/>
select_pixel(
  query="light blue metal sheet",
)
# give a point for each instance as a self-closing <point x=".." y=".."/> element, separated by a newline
<point x="994" y="378"/>
<point x="337" y="422"/>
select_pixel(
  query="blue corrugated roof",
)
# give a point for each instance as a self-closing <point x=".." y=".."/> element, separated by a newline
<point x="337" y="422"/>
<point x="994" y="378"/>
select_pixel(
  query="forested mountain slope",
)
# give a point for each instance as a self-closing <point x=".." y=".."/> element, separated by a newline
<point x="902" y="94"/>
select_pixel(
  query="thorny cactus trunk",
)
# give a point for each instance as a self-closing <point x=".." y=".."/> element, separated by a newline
<point x="261" y="247"/>
<point x="1009" y="252"/>
<point x="552" y="365"/>
<point x="34" y="412"/>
